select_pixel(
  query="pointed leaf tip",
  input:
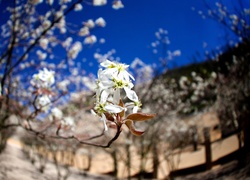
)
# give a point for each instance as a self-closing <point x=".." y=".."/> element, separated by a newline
<point x="130" y="124"/>
<point x="140" y="116"/>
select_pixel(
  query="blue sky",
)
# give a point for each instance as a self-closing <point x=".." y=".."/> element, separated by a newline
<point x="131" y="30"/>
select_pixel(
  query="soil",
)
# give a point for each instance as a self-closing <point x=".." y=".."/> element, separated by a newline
<point x="15" y="166"/>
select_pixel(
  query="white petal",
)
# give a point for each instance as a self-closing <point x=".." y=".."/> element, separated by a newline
<point x="131" y="94"/>
<point x="103" y="118"/>
<point x="135" y="109"/>
<point x="106" y="63"/>
<point x="117" y="95"/>
<point x="113" y="108"/>
<point x="104" y="96"/>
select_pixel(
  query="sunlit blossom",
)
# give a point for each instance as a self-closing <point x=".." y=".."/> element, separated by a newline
<point x="44" y="79"/>
<point x="35" y="2"/>
<point x="100" y="22"/>
<point x="90" y="24"/>
<point x="57" y="113"/>
<point x="43" y="103"/>
<point x="78" y="7"/>
<point x="41" y="55"/>
<point x="90" y="39"/>
<point x="68" y="121"/>
<point x="117" y="4"/>
<point x="75" y="49"/>
<point x="84" y="31"/>
<point x="99" y="2"/>
<point x="44" y="43"/>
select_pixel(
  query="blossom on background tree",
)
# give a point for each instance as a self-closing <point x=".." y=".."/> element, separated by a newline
<point x="233" y="16"/>
<point x="161" y="50"/>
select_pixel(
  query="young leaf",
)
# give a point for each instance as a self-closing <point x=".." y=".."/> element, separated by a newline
<point x="140" y="116"/>
<point x="130" y="124"/>
<point x="109" y="117"/>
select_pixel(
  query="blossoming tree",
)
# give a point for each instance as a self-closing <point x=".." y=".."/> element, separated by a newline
<point x="40" y="43"/>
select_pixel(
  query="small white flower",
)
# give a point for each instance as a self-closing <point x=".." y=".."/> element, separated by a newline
<point x="41" y="55"/>
<point x="99" y="2"/>
<point x="63" y="85"/>
<point x="90" y="24"/>
<point x="101" y="108"/>
<point x="90" y="39"/>
<point x="44" y="43"/>
<point x="57" y="113"/>
<point x="68" y="121"/>
<point x="117" y="4"/>
<point x="100" y="22"/>
<point x="84" y="31"/>
<point x="118" y="69"/>
<point x="136" y="104"/>
<point x="78" y="7"/>
<point x="35" y="2"/>
<point x="50" y="2"/>
<point x="44" y="79"/>
<point x="43" y="103"/>
<point x="75" y="49"/>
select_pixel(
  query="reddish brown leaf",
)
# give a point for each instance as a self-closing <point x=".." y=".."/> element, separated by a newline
<point x="109" y="117"/>
<point x="140" y="116"/>
<point x="130" y="125"/>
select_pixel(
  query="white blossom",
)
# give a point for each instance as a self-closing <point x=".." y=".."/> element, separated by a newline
<point x="68" y="121"/>
<point x="100" y="22"/>
<point x="44" y="79"/>
<point x="35" y="2"/>
<point x="90" y="39"/>
<point x="90" y="24"/>
<point x="78" y="7"/>
<point x="75" y="49"/>
<point x="43" y="103"/>
<point x="117" y="4"/>
<point x="63" y="85"/>
<point x="84" y="31"/>
<point x="57" y="113"/>
<point x="41" y="55"/>
<point x="44" y="43"/>
<point x="99" y="2"/>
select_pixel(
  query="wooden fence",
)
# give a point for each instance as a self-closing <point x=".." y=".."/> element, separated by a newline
<point x="209" y="164"/>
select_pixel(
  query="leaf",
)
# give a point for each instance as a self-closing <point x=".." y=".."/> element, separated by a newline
<point x="109" y="117"/>
<point x="130" y="124"/>
<point x="140" y="116"/>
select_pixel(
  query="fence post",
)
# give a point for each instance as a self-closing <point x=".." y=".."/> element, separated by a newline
<point x="194" y="137"/>
<point x="208" y="152"/>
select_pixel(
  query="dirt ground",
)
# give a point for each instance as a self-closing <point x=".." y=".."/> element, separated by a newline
<point x="15" y="166"/>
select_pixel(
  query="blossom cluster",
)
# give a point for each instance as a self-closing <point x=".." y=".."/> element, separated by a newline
<point x="113" y="82"/>
<point x="43" y="81"/>
<point x="110" y="84"/>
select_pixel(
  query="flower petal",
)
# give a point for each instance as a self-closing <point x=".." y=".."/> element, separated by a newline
<point x="113" y="108"/>
<point x="131" y="94"/>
